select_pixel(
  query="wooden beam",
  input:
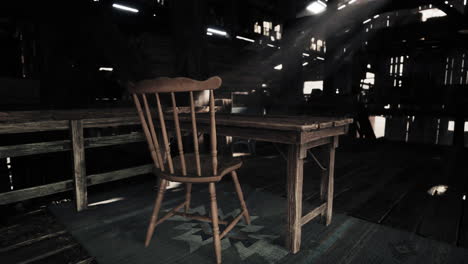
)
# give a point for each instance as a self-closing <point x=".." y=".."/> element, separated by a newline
<point x="34" y="148"/>
<point x="79" y="164"/>
<point x="314" y="213"/>
<point x="331" y="183"/>
<point x="313" y="144"/>
<point x="38" y="126"/>
<point x="333" y="131"/>
<point x="34" y="192"/>
<point x="119" y="174"/>
<point x="64" y="145"/>
<point x="95" y="142"/>
<point x="294" y="194"/>
<point x="48" y="189"/>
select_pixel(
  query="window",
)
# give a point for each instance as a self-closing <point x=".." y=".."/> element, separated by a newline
<point x="451" y="126"/>
<point x="312" y="85"/>
<point x="456" y="69"/>
<point x="369" y="81"/>
<point x="257" y="28"/>
<point x="449" y="64"/>
<point x="278" y="31"/>
<point x="267" y="27"/>
<point x="464" y="70"/>
<point x="396" y="70"/>
<point x="318" y="45"/>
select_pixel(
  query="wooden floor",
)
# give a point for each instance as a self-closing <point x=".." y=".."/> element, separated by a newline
<point x="37" y="237"/>
<point x="379" y="182"/>
<point x="386" y="183"/>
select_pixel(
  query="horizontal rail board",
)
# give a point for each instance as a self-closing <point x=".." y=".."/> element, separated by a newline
<point x="119" y="174"/>
<point x="65" y="145"/>
<point x="58" y="187"/>
<point x="34" y="148"/>
<point x="95" y="142"/>
<point x="34" y="192"/>
<point x="38" y="126"/>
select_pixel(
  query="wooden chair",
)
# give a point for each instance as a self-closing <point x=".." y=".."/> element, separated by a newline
<point x="185" y="168"/>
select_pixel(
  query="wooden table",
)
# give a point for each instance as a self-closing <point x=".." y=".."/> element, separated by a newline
<point x="300" y="133"/>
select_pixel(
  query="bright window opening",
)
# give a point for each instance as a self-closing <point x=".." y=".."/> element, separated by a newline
<point x="431" y="13"/>
<point x="451" y="126"/>
<point x="312" y="85"/>
<point x="369" y="81"/>
<point x="378" y="125"/>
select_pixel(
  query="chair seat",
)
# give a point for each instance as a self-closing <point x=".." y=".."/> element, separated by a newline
<point x="225" y="165"/>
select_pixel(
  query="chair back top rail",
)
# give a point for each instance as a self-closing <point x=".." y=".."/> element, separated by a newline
<point x="174" y="85"/>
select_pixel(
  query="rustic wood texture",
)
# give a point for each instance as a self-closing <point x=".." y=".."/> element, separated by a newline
<point x="331" y="179"/>
<point x="65" y="145"/>
<point x="314" y="213"/>
<point x="180" y="145"/>
<point x="302" y="132"/>
<point x="119" y="174"/>
<point x="214" y="152"/>
<point x="226" y="165"/>
<point x="240" y="195"/>
<point x="37" y="237"/>
<point x="34" y="121"/>
<point x="79" y="165"/>
<point x="195" y="134"/>
<point x="186" y="168"/>
<point x="214" y="215"/>
<point x="154" y="137"/>
<point x="199" y="217"/>
<point x="58" y="187"/>
<point x="154" y="215"/>
<point x="294" y="196"/>
<point x="179" y="84"/>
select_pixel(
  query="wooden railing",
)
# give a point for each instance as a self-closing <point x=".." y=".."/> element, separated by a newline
<point x="75" y="121"/>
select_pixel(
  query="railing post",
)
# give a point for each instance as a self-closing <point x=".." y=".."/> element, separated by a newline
<point x="79" y="165"/>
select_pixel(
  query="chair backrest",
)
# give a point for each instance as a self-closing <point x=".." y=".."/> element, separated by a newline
<point x="172" y="86"/>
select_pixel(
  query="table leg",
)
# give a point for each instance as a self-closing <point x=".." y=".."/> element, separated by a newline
<point x="328" y="182"/>
<point x="294" y="193"/>
<point x="324" y="179"/>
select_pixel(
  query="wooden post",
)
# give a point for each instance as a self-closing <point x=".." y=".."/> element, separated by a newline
<point x="324" y="190"/>
<point x="324" y="179"/>
<point x="294" y="193"/>
<point x="331" y="173"/>
<point x="79" y="165"/>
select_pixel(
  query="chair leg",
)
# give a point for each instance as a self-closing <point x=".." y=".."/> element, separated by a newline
<point x="188" y="195"/>
<point x="214" y="217"/>
<point x="154" y="216"/>
<point x="240" y="195"/>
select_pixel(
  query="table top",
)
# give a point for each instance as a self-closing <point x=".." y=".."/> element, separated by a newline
<point x="121" y="115"/>
<point x="275" y="122"/>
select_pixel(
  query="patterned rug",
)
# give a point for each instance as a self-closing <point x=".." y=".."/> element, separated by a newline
<point x="114" y="226"/>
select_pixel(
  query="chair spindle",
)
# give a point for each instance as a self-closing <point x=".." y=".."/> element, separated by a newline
<point x="175" y="112"/>
<point x="195" y="134"/>
<point x="214" y="152"/>
<point x="153" y="133"/>
<point x="144" y="125"/>
<point x="164" y="134"/>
